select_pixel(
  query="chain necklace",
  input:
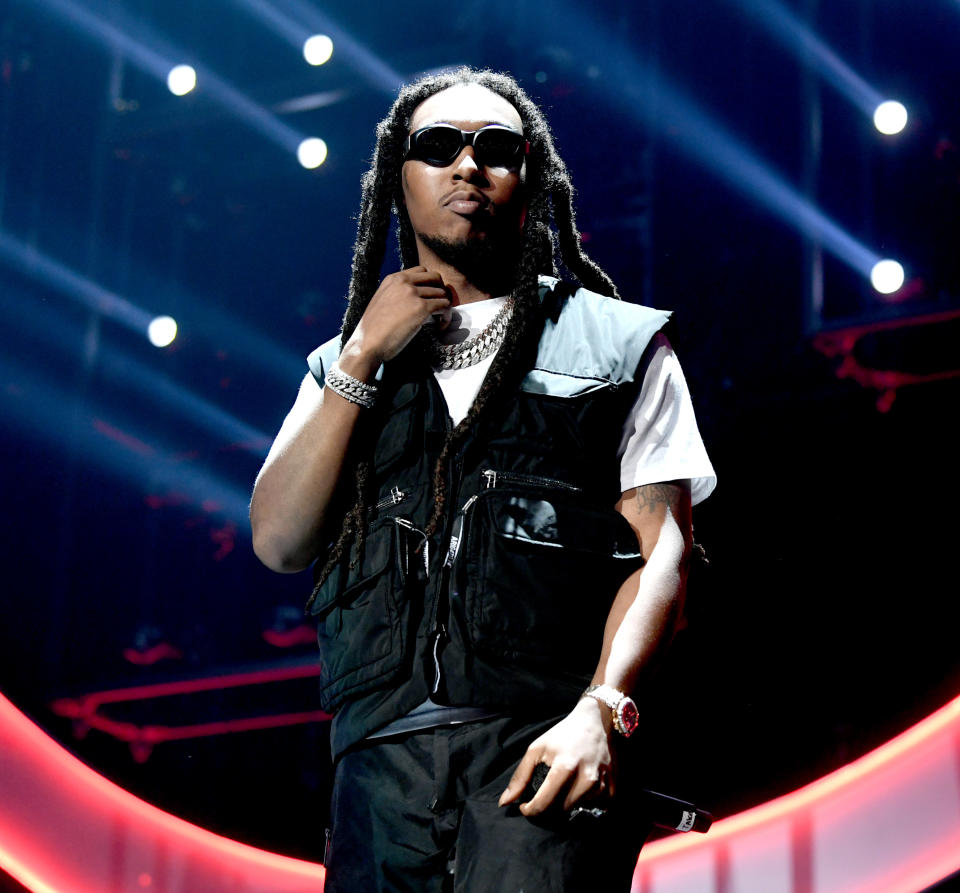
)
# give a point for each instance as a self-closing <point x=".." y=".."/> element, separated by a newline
<point x="473" y="350"/>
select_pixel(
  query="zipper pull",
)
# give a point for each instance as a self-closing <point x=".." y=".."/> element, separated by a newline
<point x="454" y="546"/>
<point x="439" y="634"/>
<point x="424" y="542"/>
<point x="491" y="477"/>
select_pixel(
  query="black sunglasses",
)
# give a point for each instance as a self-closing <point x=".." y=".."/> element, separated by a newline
<point x="440" y="144"/>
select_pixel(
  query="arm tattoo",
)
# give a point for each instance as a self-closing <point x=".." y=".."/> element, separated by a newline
<point x="651" y="496"/>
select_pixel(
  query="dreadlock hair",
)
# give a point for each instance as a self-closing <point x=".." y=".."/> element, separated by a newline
<point x="549" y="194"/>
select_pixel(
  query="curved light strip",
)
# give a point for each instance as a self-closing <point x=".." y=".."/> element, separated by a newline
<point x="66" y="829"/>
<point x="886" y="823"/>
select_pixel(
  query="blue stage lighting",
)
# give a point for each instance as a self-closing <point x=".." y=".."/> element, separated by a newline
<point x="38" y="409"/>
<point x="63" y="339"/>
<point x="693" y="132"/>
<point x="312" y="152"/>
<point x="159" y="62"/>
<point x="162" y="331"/>
<point x="33" y="263"/>
<point x="810" y="49"/>
<point x="181" y="79"/>
<point x="890" y="117"/>
<point x="223" y="329"/>
<point x="664" y="108"/>
<point x="297" y="21"/>
<point x="887" y="276"/>
<point x="367" y="64"/>
<point x="317" y="49"/>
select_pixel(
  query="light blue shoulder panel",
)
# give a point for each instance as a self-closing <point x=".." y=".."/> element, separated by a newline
<point x="322" y="357"/>
<point x="595" y="342"/>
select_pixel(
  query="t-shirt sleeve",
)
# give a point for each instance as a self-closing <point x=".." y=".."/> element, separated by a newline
<point x="661" y="441"/>
<point x="323" y="357"/>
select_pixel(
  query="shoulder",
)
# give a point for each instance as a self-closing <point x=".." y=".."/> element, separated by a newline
<point x="589" y="334"/>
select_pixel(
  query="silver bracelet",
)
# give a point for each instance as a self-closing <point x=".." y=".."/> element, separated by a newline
<point x="350" y="388"/>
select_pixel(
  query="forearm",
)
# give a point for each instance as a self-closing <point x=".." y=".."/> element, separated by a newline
<point x="645" y="613"/>
<point x="301" y="475"/>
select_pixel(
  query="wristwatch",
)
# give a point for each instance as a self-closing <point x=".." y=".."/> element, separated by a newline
<point x="626" y="717"/>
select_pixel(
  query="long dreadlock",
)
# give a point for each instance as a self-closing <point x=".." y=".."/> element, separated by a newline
<point x="549" y="193"/>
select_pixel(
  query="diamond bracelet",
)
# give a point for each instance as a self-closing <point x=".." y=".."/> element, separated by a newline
<point x="350" y="388"/>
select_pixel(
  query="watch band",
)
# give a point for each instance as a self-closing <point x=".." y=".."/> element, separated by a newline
<point x="623" y="708"/>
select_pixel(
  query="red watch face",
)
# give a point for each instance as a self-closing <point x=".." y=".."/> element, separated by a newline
<point x="629" y="717"/>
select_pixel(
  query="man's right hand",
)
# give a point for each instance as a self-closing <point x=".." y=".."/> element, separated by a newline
<point x="403" y="303"/>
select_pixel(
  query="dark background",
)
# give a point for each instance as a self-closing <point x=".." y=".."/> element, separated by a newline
<point x="826" y="620"/>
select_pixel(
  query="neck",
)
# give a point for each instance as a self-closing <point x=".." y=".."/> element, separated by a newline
<point x="469" y="276"/>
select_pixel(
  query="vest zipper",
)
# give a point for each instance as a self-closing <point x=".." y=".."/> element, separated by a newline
<point x="395" y="498"/>
<point x="513" y="477"/>
<point x="456" y="534"/>
<point x="438" y="636"/>
<point x="409" y="525"/>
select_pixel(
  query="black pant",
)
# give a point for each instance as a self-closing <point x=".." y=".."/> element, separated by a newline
<point x="419" y="813"/>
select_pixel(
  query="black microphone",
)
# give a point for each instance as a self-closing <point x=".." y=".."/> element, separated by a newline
<point x="659" y="809"/>
<point x="673" y="814"/>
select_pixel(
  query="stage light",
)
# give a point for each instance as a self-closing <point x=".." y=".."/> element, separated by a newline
<point x="811" y="50"/>
<point x="890" y="117"/>
<point x="162" y="330"/>
<point x="317" y="49"/>
<point x="887" y="276"/>
<point x="312" y="152"/>
<point x="181" y="80"/>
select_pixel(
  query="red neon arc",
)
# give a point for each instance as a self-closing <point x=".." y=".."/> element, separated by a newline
<point x="887" y="823"/>
<point x="66" y="829"/>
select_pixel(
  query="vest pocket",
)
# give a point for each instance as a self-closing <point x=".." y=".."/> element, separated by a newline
<point x="542" y="569"/>
<point x="362" y="615"/>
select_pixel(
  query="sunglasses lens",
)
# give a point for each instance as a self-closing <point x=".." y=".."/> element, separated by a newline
<point x="439" y="145"/>
<point x="498" y="148"/>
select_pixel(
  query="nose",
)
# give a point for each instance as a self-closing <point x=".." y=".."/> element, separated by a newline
<point x="465" y="167"/>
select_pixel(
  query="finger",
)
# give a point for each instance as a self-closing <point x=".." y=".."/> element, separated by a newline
<point x="583" y="785"/>
<point x="521" y="776"/>
<point x="436" y="305"/>
<point x="421" y="275"/>
<point x="557" y="779"/>
<point x="432" y="291"/>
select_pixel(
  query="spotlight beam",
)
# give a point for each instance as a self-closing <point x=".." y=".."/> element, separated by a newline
<point x="282" y="25"/>
<point x="697" y="135"/>
<point x="666" y="109"/>
<point x="36" y="265"/>
<point x="226" y="331"/>
<point x="103" y="32"/>
<point x="58" y="337"/>
<point x="797" y="36"/>
<point x="159" y="63"/>
<point x="37" y="407"/>
<point x="373" y="69"/>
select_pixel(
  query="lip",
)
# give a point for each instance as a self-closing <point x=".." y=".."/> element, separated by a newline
<point x="466" y="201"/>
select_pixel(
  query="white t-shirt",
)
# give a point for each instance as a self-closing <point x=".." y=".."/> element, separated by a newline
<point x="660" y="440"/>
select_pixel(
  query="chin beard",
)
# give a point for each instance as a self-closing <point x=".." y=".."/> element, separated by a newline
<point x="488" y="263"/>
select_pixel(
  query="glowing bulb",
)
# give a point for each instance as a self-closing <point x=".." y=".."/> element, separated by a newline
<point x="312" y="152"/>
<point x="317" y="49"/>
<point x="890" y="117"/>
<point x="162" y="330"/>
<point x="181" y="80"/>
<point x="887" y="276"/>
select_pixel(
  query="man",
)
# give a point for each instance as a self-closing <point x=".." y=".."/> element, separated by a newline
<point x="505" y="467"/>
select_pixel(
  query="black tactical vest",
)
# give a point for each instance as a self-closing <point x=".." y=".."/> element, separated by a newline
<point x="505" y="607"/>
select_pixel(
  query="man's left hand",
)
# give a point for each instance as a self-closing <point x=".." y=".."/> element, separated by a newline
<point x="577" y="750"/>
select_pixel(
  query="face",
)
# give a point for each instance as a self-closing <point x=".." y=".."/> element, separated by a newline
<point x="463" y="201"/>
